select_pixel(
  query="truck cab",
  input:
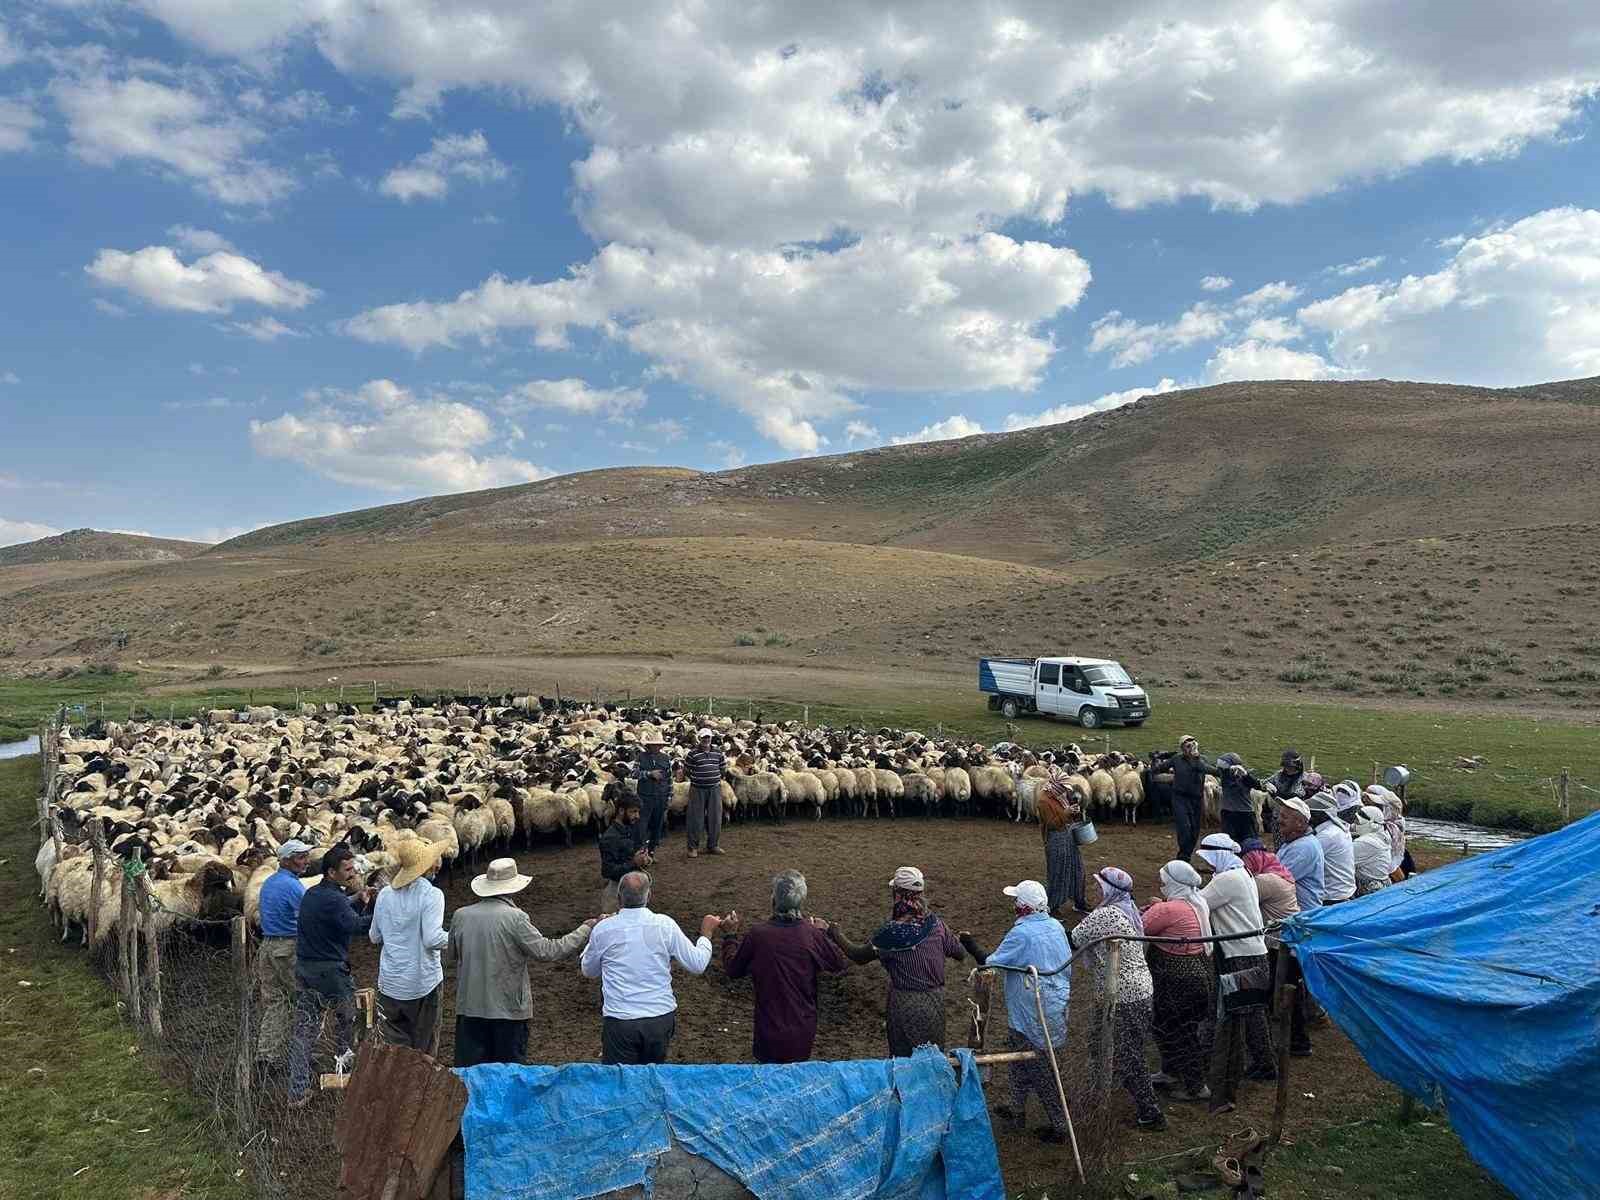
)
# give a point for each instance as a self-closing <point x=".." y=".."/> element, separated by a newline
<point x="1091" y="691"/>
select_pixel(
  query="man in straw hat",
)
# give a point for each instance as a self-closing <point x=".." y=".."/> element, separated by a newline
<point x="408" y="923"/>
<point x="652" y="780"/>
<point x="491" y="944"/>
<point x="706" y="766"/>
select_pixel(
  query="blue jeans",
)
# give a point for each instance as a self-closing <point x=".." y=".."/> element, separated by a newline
<point x="322" y="986"/>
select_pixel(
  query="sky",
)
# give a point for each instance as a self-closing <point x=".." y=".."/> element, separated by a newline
<point x="269" y="259"/>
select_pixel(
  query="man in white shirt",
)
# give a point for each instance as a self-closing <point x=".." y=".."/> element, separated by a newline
<point x="408" y="923"/>
<point x="1338" y="851"/>
<point x="631" y="954"/>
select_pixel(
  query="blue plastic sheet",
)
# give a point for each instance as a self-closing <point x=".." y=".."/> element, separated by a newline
<point x="891" y="1128"/>
<point x="1477" y="987"/>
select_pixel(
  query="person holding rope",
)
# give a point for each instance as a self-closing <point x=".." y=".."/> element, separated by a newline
<point x="1034" y="940"/>
<point x="1244" y="980"/>
<point x="1185" y="985"/>
<point x="912" y="946"/>
<point x="1116" y="917"/>
<point x="1059" y="818"/>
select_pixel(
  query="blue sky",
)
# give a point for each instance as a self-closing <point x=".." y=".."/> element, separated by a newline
<point x="266" y="260"/>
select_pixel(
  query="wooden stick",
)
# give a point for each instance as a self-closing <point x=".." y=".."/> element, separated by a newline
<point x="1109" y="998"/>
<point x="1055" y="1068"/>
<point x="152" y="946"/>
<point x="128" y="945"/>
<point x="97" y="846"/>
<point x="1288" y="997"/>
<point x="240" y="942"/>
<point x="1566" y="804"/>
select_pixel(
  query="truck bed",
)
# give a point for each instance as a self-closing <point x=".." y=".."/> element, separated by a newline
<point x="1006" y="676"/>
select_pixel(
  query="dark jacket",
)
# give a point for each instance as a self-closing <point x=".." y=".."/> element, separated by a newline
<point x="1188" y="775"/>
<point x="653" y="789"/>
<point x="1284" y="785"/>
<point x="1236" y="788"/>
<point x="618" y="844"/>
<point x="784" y="959"/>
<point x="329" y="918"/>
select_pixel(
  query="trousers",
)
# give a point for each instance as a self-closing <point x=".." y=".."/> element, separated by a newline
<point x="653" y="820"/>
<point x="490" y="1040"/>
<point x="639" y="1041"/>
<point x="324" y="987"/>
<point x="413" y="1023"/>
<point x="1187" y="815"/>
<point x="705" y="816"/>
<point x="1238" y="825"/>
<point x="275" y="978"/>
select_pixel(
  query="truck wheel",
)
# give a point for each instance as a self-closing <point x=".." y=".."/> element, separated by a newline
<point x="1009" y="709"/>
<point x="1134" y="724"/>
<point x="1089" y="718"/>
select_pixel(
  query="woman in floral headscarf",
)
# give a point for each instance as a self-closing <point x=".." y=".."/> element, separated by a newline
<point x="1059" y="813"/>
<point x="912" y="946"/>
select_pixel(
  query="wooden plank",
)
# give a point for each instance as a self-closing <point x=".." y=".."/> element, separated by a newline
<point x="400" y="1113"/>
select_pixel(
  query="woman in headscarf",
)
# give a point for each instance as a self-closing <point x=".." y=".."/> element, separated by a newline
<point x="1394" y="825"/>
<point x="1116" y="917"/>
<point x="1060" y="813"/>
<point x="1244" y="980"/>
<point x="1185" y="985"/>
<point x="1275" y="889"/>
<point x="1034" y="940"/>
<point x="1372" y="848"/>
<point x="912" y="946"/>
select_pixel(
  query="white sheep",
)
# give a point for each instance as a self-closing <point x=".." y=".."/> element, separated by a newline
<point x="958" y="788"/>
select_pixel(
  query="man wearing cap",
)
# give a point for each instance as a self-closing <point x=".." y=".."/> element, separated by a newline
<point x="1189" y="773"/>
<point x="1034" y="940"/>
<point x="329" y="918"/>
<point x="280" y="926"/>
<point x="632" y="955"/>
<point x="622" y="848"/>
<point x="652" y="780"/>
<point x="706" y="766"/>
<point x="408" y="923"/>
<point x="1338" y="851"/>
<point x="784" y="957"/>
<point x="1301" y="854"/>
<point x="491" y="944"/>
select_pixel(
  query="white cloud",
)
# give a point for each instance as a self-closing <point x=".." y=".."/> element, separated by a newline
<point x="213" y="283"/>
<point x="384" y="437"/>
<point x="1359" y="267"/>
<point x="10" y="52"/>
<point x="210" y="404"/>
<point x="12" y="532"/>
<point x="788" y="338"/>
<point x="573" y="396"/>
<point x="957" y="426"/>
<point x="1215" y="283"/>
<point x="731" y="456"/>
<point x="262" y="329"/>
<point x="1263" y="360"/>
<point x="199" y="241"/>
<point x="1274" y="330"/>
<point x="668" y="429"/>
<point x="1515" y="304"/>
<point x="427" y="177"/>
<point x="10" y="377"/>
<point x="859" y="433"/>
<point x="108" y="308"/>
<point x="1129" y="342"/>
<point x="187" y="127"/>
<point x="17" y="123"/>
<point x="1071" y="412"/>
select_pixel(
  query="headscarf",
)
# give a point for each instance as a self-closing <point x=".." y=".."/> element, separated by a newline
<point x="1312" y="782"/>
<point x="911" y="923"/>
<point x="1258" y="860"/>
<point x="1117" y="885"/>
<point x="1222" y="852"/>
<point x="1368" y="820"/>
<point x="1180" y="881"/>
<point x="1347" y="795"/>
<point x="1394" y="823"/>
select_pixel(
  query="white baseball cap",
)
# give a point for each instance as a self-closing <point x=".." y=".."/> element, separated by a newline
<point x="292" y="847"/>
<point x="1029" y="893"/>
<point x="705" y="733"/>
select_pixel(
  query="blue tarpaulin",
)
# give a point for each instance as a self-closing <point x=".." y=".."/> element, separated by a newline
<point x="1477" y="987"/>
<point x="887" y="1128"/>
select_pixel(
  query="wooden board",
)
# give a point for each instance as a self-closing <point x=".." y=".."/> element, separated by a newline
<point x="401" y="1111"/>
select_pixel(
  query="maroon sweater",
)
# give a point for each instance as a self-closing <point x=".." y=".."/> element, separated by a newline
<point x="783" y="958"/>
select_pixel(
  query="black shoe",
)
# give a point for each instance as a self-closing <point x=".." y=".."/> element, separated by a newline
<point x="1299" y="1051"/>
<point x="1262" y="1076"/>
<point x="1156" y="1123"/>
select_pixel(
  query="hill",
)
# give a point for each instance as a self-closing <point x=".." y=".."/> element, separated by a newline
<point x="1353" y="538"/>
<point x="93" y="545"/>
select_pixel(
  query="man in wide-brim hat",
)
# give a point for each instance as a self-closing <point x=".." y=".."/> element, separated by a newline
<point x="408" y="923"/>
<point x="652" y="782"/>
<point x="491" y="944"/>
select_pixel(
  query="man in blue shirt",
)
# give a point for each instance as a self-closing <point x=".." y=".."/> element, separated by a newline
<point x="329" y="918"/>
<point x="1035" y="940"/>
<point x="280" y="916"/>
<point x="1301" y="854"/>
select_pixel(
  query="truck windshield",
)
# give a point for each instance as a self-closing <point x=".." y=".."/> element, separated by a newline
<point x="1112" y="676"/>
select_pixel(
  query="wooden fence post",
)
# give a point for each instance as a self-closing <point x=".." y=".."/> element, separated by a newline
<point x="128" y="944"/>
<point x="1374" y="772"/>
<point x="1285" y="996"/>
<point x="152" y="953"/>
<point x="97" y="847"/>
<point x="1108" y="999"/>
<point x="1566" y="802"/>
<point x="241" y="972"/>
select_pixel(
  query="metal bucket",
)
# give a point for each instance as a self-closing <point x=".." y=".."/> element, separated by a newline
<point x="1396" y="778"/>
<point x="1085" y="833"/>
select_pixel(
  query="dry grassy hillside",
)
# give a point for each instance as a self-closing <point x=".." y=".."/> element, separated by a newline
<point x="1364" y="539"/>
<point x="92" y="545"/>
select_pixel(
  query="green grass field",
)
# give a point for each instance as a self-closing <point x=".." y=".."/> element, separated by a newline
<point x="1514" y="790"/>
<point x="82" y="1113"/>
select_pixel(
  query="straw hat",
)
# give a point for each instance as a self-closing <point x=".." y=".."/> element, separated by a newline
<point x="416" y="857"/>
<point x="501" y="879"/>
<point x="653" y="738"/>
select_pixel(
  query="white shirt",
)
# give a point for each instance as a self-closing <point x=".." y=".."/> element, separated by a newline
<point x="1372" y="862"/>
<point x="409" y="925"/>
<point x="1235" y="908"/>
<point x="1338" y="861"/>
<point x="631" y="954"/>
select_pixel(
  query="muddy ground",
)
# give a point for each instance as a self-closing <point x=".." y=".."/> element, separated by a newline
<point x="847" y="864"/>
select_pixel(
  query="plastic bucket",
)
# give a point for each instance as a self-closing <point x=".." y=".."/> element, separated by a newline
<point x="1085" y="833"/>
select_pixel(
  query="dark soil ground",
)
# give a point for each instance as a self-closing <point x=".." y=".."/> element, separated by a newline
<point x="847" y="865"/>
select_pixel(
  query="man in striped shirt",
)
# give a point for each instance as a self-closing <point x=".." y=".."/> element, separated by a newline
<point x="705" y="765"/>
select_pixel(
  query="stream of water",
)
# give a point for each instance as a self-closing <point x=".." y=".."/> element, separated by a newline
<point x="18" y="749"/>
<point x="1477" y="837"/>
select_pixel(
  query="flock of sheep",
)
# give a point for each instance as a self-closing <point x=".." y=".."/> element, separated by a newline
<point x="206" y="803"/>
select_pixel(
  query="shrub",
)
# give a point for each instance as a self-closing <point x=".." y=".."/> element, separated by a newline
<point x="776" y="639"/>
<point x="744" y="639"/>
<point x="214" y="670"/>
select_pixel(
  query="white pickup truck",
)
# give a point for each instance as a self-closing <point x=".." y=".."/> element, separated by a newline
<point x="1092" y="691"/>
